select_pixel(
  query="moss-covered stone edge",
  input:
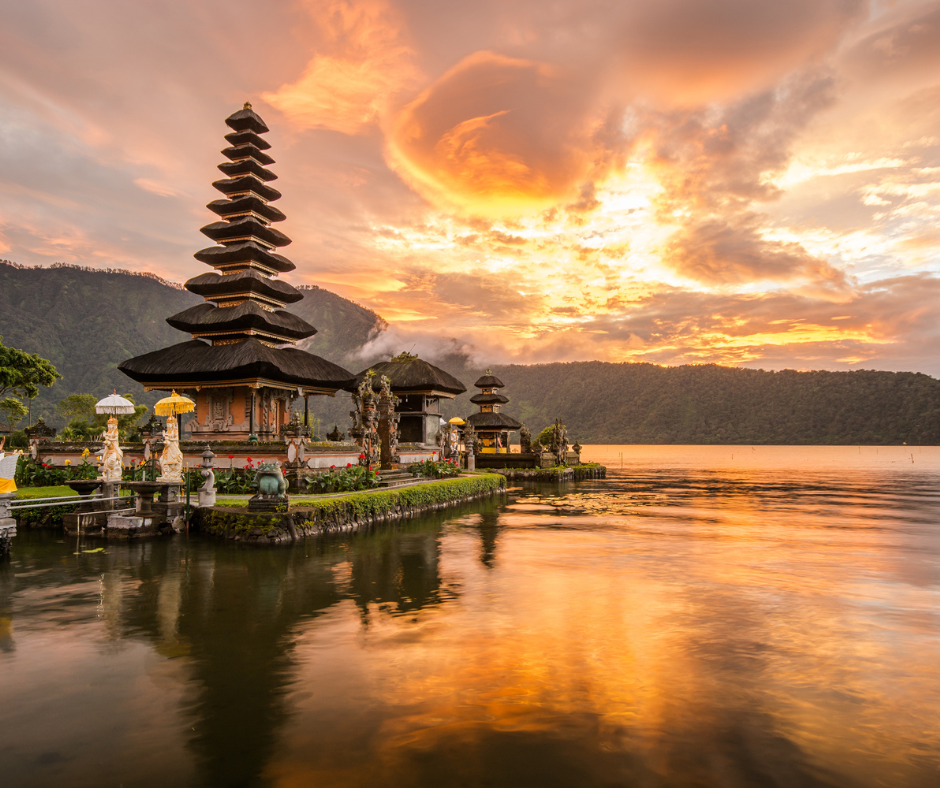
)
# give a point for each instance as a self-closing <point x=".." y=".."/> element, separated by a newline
<point x="313" y="517"/>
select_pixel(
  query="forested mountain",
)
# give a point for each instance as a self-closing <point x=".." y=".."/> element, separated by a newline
<point x="645" y="403"/>
<point x="86" y="321"/>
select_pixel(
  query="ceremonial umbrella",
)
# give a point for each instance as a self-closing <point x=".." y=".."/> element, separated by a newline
<point x="115" y="405"/>
<point x="175" y="403"/>
<point x="457" y="421"/>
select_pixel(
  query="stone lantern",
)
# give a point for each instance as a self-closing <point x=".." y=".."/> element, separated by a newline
<point x="207" y="491"/>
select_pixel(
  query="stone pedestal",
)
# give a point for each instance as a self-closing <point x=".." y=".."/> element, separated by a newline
<point x="168" y="504"/>
<point x="7" y="523"/>
<point x="471" y="461"/>
<point x="268" y="503"/>
<point x="207" y="497"/>
<point x="130" y="527"/>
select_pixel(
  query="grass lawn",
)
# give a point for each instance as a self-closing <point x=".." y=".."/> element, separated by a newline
<point x="44" y="492"/>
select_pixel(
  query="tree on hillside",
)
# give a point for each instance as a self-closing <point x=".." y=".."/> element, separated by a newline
<point x="12" y="412"/>
<point x="21" y="373"/>
<point x="83" y="423"/>
<point x="77" y="406"/>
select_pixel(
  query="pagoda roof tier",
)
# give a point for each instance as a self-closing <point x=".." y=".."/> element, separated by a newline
<point x="488" y="399"/>
<point x="413" y="376"/>
<point x="246" y="167"/>
<point x="195" y="363"/>
<point x="242" y="151"/>
<point x="245" y="184"/>
<point x="246" y="119"/>
<point x="246" y="228"/>
<point x="247" y="283"/>
<point x="250" y="203"/>
<point x="247" y="138"/>
<point x="492" y="422"/>
<point x="209" y="320"/>
<point x="244" y="255"/>
<point x="489" y="381"/>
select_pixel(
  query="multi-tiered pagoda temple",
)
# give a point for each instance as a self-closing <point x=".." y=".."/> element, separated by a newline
<point x="491" y="426"/>
<point x="239" y="366"/>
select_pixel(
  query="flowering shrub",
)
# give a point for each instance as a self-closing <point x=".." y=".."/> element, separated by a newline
<point x="435" y="470"/>
<point x="30" y="473"/>
<point x="348" y="479"/>
<point x="236" y="481"/>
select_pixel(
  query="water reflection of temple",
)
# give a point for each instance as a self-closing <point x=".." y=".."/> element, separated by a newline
<point x="235" y="617"/>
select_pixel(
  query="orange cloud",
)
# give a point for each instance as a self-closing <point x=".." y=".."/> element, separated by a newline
<point x="365" y="62"/>
<point x="496" y="136"/>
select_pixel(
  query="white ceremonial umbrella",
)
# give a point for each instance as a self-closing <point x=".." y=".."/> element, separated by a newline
<point x="115" y="405"/>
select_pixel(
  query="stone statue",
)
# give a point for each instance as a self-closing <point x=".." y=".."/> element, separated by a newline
<point x="525" y="439"/>
<point x="270" y="479"/>
<point x="112" y="459"/>
<point x="171" y="459"/>
<point x="336" y="435"/>
<point x="559" y="445"/>
<point x="470" y="442"/>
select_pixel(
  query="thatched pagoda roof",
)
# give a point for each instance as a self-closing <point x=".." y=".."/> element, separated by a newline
<point x="235" y="169"/>
<point x="196" y="362"/>
<point x="244" y="227"/>
<point x="247" y="183"/>
<point x="413" y="375"/>
<point x="212" y="286"/>
<point x="491" y="422"/>
<point x="236" y="152"/>
<point x="248" y="202"/>
<point x="246" y="252"/>
<point x="246" y="119"/>
<point x="488" y="399"/>
<point x="247" y="137"/>
<point x="208" y="319"/>
<point x="489" y="381"/>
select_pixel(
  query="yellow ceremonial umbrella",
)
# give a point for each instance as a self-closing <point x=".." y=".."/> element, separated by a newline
<point x="457" y="421"/>
<point x="175" y="403"/>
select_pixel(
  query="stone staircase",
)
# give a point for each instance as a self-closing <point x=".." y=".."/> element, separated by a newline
<point x="395" y="478"/>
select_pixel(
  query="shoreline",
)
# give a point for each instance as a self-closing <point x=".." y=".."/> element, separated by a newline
<point x="343" y="514"/>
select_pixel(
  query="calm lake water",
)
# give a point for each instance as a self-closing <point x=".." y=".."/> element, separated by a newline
<point x="708" y="616"/>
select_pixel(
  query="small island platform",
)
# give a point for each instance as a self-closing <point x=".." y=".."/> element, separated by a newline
<point x="313" y="517"/>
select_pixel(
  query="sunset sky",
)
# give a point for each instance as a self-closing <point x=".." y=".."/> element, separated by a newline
<point x="748" y="182"/>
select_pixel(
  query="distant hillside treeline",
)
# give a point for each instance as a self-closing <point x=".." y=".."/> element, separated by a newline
<point x="645" y="403"/>
<point x="87" y="321"/>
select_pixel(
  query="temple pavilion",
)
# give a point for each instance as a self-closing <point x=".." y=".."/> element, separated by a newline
<point x="491" y="426"/>
<point x="420" y="387"/>
<point x="240" y="366"/>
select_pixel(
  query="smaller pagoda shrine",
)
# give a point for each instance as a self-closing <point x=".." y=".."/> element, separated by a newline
<point x="419" y="388"/>
<point x="491" y="426"/>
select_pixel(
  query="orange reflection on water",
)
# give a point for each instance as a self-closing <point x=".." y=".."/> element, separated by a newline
<point x="759" y="629"/>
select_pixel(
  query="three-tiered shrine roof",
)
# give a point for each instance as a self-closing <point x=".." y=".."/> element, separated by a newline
<point x="491" y="420"/>
<point x="488" y="422"/>
<point x="489" y="381"/>
<point x="489" y="399"/>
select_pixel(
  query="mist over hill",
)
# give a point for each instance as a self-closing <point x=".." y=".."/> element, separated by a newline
<point x="86" y="321"/>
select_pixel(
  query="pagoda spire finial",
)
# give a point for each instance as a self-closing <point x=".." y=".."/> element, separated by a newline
<point x="247" y="105"/>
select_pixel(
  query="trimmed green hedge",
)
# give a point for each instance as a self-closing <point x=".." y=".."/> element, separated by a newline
<point x="368" y="505"/>
<point x="383" y="502"/>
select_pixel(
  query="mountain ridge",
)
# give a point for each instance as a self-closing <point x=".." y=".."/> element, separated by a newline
<point x="48" y="310"/>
